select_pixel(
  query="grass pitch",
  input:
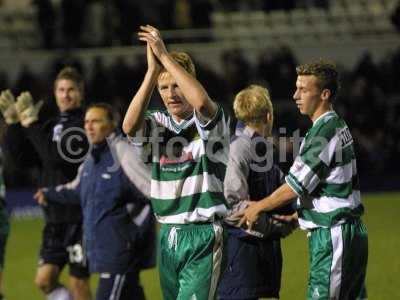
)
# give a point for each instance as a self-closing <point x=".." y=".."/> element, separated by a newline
<point x="382" y="213"/>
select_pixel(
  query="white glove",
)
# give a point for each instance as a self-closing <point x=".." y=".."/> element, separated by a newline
<point x="7" y="107"/>
<point x="27" y="111"/>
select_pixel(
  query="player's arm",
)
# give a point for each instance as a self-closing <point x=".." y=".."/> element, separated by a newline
<point x="64" y="194"/>
<point x="134" y="117"/>
<point x="236" y="188"/>
<point x="191" y="88"/>
<point x="280" y="197"/>
<point x="136" y="170"/>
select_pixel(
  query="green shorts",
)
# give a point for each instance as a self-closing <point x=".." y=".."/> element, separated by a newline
<point x="338" y="262"/>
<point x="190" y="260"/>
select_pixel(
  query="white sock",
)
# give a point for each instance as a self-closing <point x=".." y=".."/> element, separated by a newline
<point x="59" y="293"/>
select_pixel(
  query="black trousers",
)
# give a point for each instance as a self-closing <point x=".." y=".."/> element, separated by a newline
<point x="119" y="287"/>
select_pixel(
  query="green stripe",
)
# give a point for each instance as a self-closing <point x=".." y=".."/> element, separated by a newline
<point x="321" y="255"/>
<point x="172" y="207"/>
<point x="331" y="218"/>
<point x="339" y="190"/>
<point x="355" y="241"/>
<point x="311" y="159"/>
<point x="178" y="171"/>
<point x="329" y="117"/>
<point x="326" y="129"/>
<point x="347" y="155"/>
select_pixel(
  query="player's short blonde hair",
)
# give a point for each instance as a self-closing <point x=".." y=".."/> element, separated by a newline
<point x="183" y="59"/>
<point x="252" y="104"/>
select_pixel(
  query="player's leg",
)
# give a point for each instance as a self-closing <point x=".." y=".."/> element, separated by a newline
<point x="325" y="252"/>
<point x="355" y="257"/>
<point x="47" y="281"/>
<point x="78" y="266"/>
<point x="168" y="264"/>
<point x="80" y="288"/>
<point x="53" y="257"/>
<point x="254" y="268"/>
<point x="338" y="258"/>
<point x="119" y="287"/>
<point x="200" y="248"/>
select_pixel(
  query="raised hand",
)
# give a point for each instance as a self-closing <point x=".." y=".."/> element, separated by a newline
<point x="152" y="63"/>
<point x="27" y="111"/>
<point x="7" y="107"/>
<point x="152" y="36"/>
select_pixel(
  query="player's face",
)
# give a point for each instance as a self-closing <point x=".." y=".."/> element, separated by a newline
<point x="307" y="95"/>
<point x="172" y="97"/>
<point x="68" y="96"/>
<point x="97" y="125"/>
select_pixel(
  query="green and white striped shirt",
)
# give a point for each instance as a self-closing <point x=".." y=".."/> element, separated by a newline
<point x="188" y="167"/>
<point x="324" y="175"/>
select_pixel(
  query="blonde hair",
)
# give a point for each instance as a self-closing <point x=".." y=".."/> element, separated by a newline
<point x="184" y="60"/>
<point x="252" y="104"/>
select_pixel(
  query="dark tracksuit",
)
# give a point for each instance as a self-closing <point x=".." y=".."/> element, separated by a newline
<point x="254" y="264"/>
<point x="118" y="224"/>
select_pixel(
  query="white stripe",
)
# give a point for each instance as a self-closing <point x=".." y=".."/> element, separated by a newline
<point x="328" y="152"/>
<point x="220" y="129"/>
<point x="304" y="175"/>
<point x="328" y="115"/>
<point x="326" y="204"/>
<point x="336" y="267"/>
<point x="115" y="287"/>
<point x="173" y="189"/>
<point x="342" y="174"/>
<point x="306" y="225"/>
<point x="165" y="120"/>
<point x="72" y="185"/>
<point x="198" y="215"/>
<point x="121" y="285"/>
<point x="217" y="260"/>
<point x="105" y="275"/>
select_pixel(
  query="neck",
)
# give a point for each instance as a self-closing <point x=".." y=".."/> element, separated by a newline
<point x="320" y="111"/>
<point x="184" y="116"/>
<point x="261" y="129"/>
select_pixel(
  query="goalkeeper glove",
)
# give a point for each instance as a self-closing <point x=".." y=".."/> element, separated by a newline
<point x="7" y="107"/>
<point x="27" y="111"/>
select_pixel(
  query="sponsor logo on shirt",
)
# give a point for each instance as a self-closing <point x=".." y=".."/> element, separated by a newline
<point x="185" y="157"/>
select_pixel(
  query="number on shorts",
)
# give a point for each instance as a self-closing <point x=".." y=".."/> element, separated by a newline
<point x="75" y="254"/>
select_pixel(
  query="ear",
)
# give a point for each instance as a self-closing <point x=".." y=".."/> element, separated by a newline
<point x="326" y="94"/>
<point x="269" y="117"/>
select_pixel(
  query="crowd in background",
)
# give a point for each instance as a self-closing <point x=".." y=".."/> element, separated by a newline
<point x="81" y="23"/>
<point x="369" y="99"/>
